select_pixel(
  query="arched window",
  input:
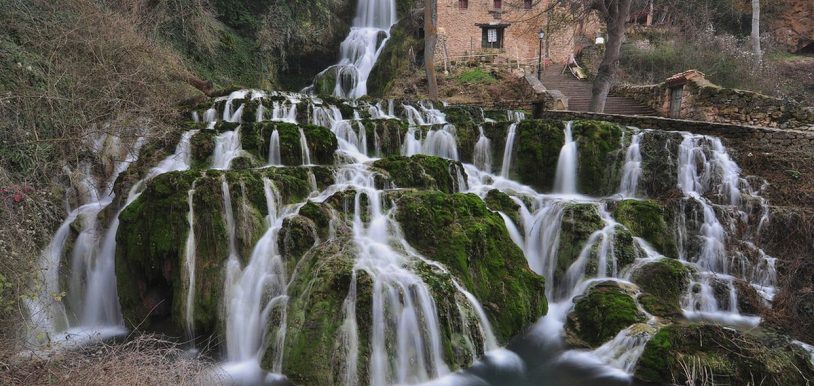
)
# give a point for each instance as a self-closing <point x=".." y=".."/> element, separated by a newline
<point x="498" y="4"/>
<point x="463" y="4"/>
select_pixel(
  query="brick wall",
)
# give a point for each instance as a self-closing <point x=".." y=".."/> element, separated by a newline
<point x="459" y="31"/>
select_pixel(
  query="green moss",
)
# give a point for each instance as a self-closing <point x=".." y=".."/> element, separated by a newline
<point x="600" y="156"/>
<point x="314" y="350"/>
<point x="390" y="133"/>
<point x="664" y="282"/>
<point x="659" y="151"/>
<point x="499" y="201"/>
<point x="461" y="233"/>
<point x="154" y="228"/>
<point x="150" y="242"/>
<point x="202" y="146"/>
<point x="393" y="62"/>
<point x="601" y="313"/>
<point x="579" y="222"/>
<point x="322" y="144"/>
<point x="646" y="219"/>
<point x="539" y="142"/>
<point x="296" y="237"/>
<point x="325" y="82"/>
<point x="654" y="364"/>
<point x="421" y="171"/>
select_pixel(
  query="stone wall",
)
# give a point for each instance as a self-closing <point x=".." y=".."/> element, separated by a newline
<point x="459" y="30"/>
<point x="785" y="158"/>
<point x="704" y="101"/>
<point x="742" y="137"/>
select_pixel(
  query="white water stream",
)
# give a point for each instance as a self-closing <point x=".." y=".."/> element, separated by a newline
<point x="360" y="50"/>
<point x="406" y="335"/>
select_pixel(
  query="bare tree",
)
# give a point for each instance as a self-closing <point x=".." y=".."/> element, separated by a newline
<point x="756" y="29"/>
<point x="430" y="39"/>
<point x="615" y="14"/>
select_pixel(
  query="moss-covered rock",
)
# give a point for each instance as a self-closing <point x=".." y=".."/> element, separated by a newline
<point x="722" y="354"/>
<point x="499" y="201"/>
<point x="384" y="136"/>
<point x="659" y="150"/>
<point x="322" y="143"/>
<point x="662" y="282"/>
<point x="421" y="171"/>
<point x="603" y="311"/>
<point x="394" y="62"/>
<point x="460" y="232"/>
<point x="600" y="156"/>
<point x="325" y="81"/>
<point x="539" y="142"/>
<point x="646" y="219"/>
<point x="315" y="353"/>
<point x="153" y="230"/>
<point x="578" y="222"/>
<point x="202" y="146"/>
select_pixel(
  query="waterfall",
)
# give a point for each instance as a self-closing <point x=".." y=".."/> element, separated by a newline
<point x="565" y="181"/>
<point x="703" y="164"/>
<point x="255" y="294"/>
<point x="482" y="156"/>
<point x="99" y="315"/>
<point x="632" y="168"/>
<point x="507" y="151"/>
<point x="306" y="153"/>
<point x="229" y="114"/>
<point x="210" y="115"/>
<point x="189" y="261"/>
<point x="406" y="340"/>
<point x="227" y="148"/>
<point x="274" y="149"/>
<point x="360" y="50"/>
<point x="441" y="143"/>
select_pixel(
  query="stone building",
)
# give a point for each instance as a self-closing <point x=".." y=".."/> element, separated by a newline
<point x="508" y="29"/>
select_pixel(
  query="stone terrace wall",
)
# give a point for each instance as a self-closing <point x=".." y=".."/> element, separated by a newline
<point x="785" y="158"/>
<point x="749" y="136"/>
<point x="704" y="101"/>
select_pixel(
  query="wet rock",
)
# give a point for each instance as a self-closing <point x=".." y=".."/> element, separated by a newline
<point x="703" y="352"/>
<point x="598" y="315"/>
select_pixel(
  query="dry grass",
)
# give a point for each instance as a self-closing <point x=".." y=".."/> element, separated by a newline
<point x="143" y="360"/>
<point x="71" y="71"/>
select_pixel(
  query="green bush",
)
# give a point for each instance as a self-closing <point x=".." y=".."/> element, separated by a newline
<point x="476" y="76"/>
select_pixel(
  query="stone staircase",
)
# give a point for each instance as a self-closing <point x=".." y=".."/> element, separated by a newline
<point x="579" y="94"/>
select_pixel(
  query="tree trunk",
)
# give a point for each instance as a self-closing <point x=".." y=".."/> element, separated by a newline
<point x="756" y="29"/>
<point x="650" y="13"/>
<point x="430" y="38"/>
<point x="615" y="13"/>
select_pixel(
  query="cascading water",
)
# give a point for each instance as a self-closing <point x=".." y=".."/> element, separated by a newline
<point x="360" y="50"/>
<point x="405" y="342"/>
<point x="189" y="263"/>
<point x="306" y="152"/>
<point x="632" y="168"/>
<point x="565" y="181"/>
<point x="255" y="293"/>
<point x="227" y="148"/>
<point x="274" y="149"/>
<point x="482" y="157"/>
<point x="703" y="165"/>
<point x="99" y="314"/>
<point x="507" y="151"/>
